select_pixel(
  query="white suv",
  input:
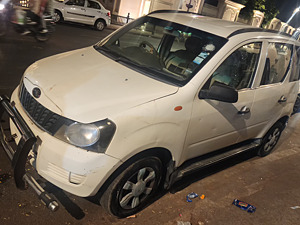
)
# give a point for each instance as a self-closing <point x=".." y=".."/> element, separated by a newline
<point x="160" y="98"/>
<point x="89" y="12"/>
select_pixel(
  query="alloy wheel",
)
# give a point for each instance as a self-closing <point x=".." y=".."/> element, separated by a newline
<point x="137" y="188"/>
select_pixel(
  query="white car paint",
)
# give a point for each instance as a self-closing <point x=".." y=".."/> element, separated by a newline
<point x="83" y="13"/>
<point x="93" y="71"/>
<point x="87" y="86"/>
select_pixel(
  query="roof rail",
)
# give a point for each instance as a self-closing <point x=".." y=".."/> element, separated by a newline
<point x="172" y="11"/>
<point x="256" y="29"/>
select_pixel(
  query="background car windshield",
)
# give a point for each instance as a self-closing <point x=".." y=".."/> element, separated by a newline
<point x="164" y="50"/>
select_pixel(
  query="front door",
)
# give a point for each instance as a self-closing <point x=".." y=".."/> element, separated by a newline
<point x="216" y="124"/>
<point x="75" y="11"/>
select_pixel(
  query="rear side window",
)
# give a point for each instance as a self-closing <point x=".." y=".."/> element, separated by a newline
<point x="296" y="65"/>
<point x="239" y="68"/>
<point x="76" y="2"/>
<point x="94" y="5"/>
<point x="277" y="63"/>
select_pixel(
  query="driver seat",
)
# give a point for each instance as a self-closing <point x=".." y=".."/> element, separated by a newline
<point x="180" y="60"/>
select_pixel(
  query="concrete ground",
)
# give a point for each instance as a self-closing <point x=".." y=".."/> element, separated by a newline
<point x="271" y="184"/>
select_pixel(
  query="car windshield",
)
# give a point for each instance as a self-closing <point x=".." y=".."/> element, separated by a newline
<point x="164" y="50"/>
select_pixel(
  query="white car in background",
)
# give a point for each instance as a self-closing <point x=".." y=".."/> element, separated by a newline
<point x="88" y="12"/>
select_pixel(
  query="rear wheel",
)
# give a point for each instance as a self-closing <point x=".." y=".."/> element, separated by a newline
<point x="134" y="188"/>
<point x="270" y="139"/>
<point x="100" y="25"/>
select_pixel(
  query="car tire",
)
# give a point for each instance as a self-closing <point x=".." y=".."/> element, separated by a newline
<point x="296" y="105"/>
<point x="270" y="139"/>
<point x="134" y="188"/>
<point x="100" y="25"/>
<point x="57" y="16"/>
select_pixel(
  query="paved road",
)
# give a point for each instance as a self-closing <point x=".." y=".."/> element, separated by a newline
<point x="18" y="52"/>
<point x="272" y="183"/>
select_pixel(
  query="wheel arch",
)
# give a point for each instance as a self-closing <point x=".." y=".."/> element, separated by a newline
<point x="59" y="12"/>
<point x="163" y="154"/>
<point x="100" y="19"/>
<point x="283" y="120"/>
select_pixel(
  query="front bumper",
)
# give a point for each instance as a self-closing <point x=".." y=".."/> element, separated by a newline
<point x="74" y="170"/>
<point x="19" y="156"/>
<point x="26" y="142"/>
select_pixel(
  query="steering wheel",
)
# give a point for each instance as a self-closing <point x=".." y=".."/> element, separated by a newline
<point x="152" y="50"/>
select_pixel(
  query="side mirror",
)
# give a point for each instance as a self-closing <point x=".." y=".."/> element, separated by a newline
<point x="220" y="92"/>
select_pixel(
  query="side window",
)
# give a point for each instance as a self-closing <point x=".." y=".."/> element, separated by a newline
<point x="70" y="2"/>
<point x="79" y="2"/>
<point x="277" y="63"/>
<point x="75" y="2"/>
<point x="296" y="66"/>
<point x="239" y="68"/>
<point x="94" y="5"/>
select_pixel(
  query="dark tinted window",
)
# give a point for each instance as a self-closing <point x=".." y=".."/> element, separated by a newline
<point x="76" y="2"/>
<point x="239" y="68"/>
<point x="94" y="5"/>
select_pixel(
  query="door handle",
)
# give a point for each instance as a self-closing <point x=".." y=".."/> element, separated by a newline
<point x="83" y="9"/>
<point x="282" y="99"/>
<point x="244" y="110"/>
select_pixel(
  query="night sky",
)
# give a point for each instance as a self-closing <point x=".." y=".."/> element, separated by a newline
<point x="286" y="8"/>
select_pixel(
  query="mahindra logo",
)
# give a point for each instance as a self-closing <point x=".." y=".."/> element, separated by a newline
<point x="36" y="92"/>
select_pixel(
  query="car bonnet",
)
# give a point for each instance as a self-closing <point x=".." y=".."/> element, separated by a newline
<point x="87" y="86"/>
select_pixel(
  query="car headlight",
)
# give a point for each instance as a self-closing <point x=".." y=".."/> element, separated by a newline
<point x="91" y="136"/>
<point x="82" y="135"/>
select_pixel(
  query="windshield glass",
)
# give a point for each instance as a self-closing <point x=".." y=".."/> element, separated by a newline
<point x="161" y="49"/>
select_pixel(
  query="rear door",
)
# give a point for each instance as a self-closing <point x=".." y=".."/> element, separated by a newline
<point x="272" y="93"/>
<point x="94" y="11"/>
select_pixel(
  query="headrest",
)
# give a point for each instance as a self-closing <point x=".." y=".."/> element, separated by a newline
<point x="194" y="44"/>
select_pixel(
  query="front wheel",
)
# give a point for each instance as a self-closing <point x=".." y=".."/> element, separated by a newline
<point x="134" y="188"/>
<point x="270" y="139"/>
<point x="57" y="16"/>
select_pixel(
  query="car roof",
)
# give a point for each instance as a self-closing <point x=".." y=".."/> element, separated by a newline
<point x="222" y="28"/>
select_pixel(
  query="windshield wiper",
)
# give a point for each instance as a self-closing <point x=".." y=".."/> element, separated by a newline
<point x="102" y="48"/>
<point x="125" y="60"/>
<point x="157" y="73"/>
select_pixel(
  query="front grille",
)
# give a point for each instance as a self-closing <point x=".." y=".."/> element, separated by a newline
<point x="46" y="119"/>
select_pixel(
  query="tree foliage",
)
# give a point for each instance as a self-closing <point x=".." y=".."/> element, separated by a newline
<point x="268" y="7"/>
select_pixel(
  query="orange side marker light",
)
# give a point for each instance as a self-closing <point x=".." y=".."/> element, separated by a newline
<point x="178" y="108"/>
